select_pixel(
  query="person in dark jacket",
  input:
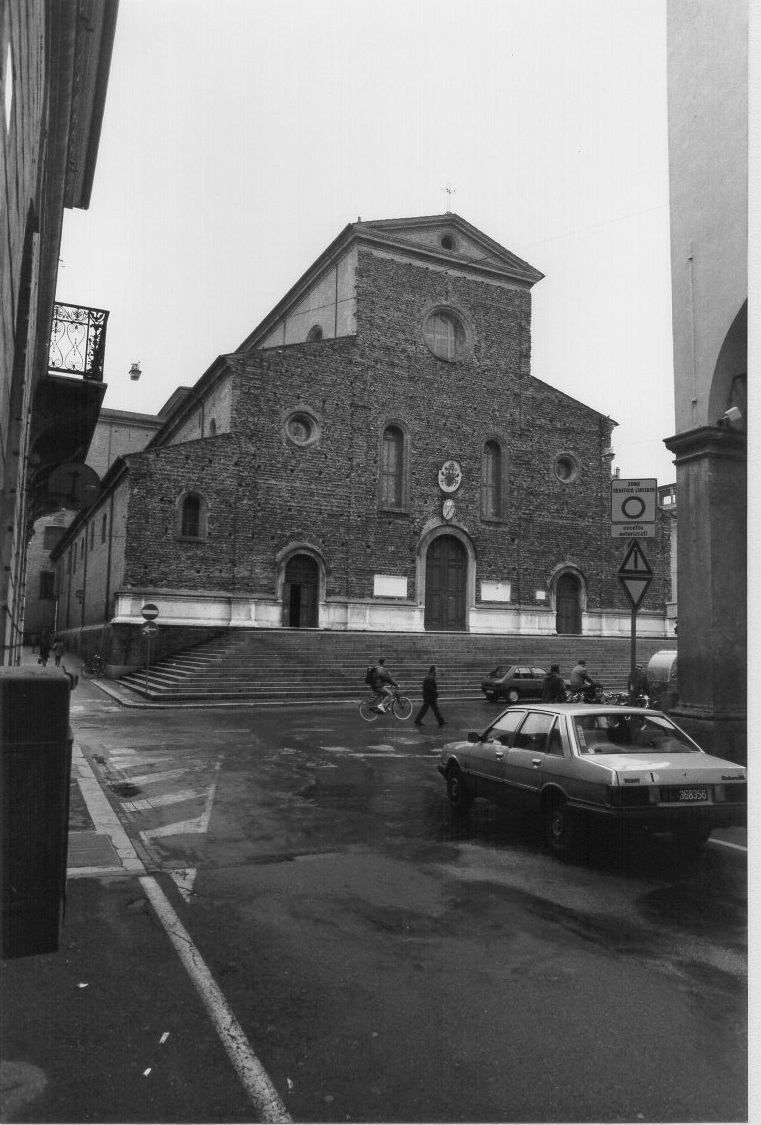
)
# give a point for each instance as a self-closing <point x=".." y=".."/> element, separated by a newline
<point x="382" y="685"/>
<point x="553" y="687"/>
<point x="430" y="696"/>
<point x="638" y="684"/>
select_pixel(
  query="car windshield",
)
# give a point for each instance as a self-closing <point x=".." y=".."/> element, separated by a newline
<point x="613" y="732"/>
<point x="497" y="673"/>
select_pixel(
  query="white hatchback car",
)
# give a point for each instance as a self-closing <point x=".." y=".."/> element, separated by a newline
<point x="571" y="763"/>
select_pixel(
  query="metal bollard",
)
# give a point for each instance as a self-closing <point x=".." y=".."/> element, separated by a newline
<point x="35" y="760"/>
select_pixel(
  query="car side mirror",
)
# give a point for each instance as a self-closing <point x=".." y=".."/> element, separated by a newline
<point x="474" y="737"/>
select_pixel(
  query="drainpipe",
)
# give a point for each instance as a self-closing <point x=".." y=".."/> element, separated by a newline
<point x="694" y="399"/>
<point x="106" y="613"/>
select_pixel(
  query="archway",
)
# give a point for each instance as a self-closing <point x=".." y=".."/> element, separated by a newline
<point x="301" y="591"/>
<point x="446" y="578"/>
<point x="568" y="604"/>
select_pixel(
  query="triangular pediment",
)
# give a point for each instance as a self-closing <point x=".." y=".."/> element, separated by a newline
<point x="454" y="239"/>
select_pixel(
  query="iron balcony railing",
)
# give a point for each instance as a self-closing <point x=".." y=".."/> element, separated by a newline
<point x="78" y="341"/>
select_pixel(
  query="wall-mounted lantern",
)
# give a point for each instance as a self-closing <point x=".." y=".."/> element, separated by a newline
<point x="134" y="371"/>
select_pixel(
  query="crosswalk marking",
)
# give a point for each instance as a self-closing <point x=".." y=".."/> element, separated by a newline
<point x="162" y="800"/>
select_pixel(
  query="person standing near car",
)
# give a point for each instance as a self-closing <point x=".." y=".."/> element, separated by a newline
<point x="638" y="685"/>
<point x="430" y="698"/>
<point x="553" y="686"/>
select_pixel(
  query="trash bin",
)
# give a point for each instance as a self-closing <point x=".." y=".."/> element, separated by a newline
<point x="661" y="675"/>
<point x="35" y="760"/>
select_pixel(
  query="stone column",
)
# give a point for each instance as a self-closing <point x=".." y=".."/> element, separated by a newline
<point x="711" y="473"/>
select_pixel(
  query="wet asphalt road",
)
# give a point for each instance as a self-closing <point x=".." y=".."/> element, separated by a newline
<point x="389" y="963"/>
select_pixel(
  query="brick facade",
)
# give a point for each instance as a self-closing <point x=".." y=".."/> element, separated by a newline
<point x="265" y="498"/>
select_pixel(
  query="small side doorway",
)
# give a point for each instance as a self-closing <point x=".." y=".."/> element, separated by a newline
<point x="568" y="604"/>
<point x="301" y="592"/>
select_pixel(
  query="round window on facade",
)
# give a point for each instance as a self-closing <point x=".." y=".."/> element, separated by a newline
<point x="447" y="334"/>
<point x="448" y="242"/>
<point x="566" y="468"/>
<point x="302" y="428"/>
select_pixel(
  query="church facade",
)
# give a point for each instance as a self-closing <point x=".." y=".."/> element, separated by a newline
<point x="376" y="456"/>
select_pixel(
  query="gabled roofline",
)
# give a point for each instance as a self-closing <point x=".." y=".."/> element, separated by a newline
<point x="377" y="233"/>
<point x="186" y="402"/>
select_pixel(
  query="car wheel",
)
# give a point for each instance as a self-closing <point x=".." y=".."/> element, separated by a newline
<point x="691" y="837"/>
<point x="460" y="798"/>
<point x="560" y="829"/>
<point x="513" y="696"/>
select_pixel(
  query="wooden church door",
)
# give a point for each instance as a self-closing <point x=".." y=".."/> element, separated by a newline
<point x="301" y="593"/>
<point x="568" y="604"/>
<point x="446" y="572"/>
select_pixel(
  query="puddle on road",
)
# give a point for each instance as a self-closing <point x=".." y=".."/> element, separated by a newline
<point x="125" y="789"/>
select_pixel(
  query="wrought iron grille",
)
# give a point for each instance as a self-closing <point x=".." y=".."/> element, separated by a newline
<point x="78" y="341"/>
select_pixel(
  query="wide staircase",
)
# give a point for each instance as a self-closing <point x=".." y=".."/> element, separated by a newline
<point x="306" y="666"/>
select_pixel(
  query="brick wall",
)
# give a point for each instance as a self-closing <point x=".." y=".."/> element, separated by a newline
<point x="264" y="494"/>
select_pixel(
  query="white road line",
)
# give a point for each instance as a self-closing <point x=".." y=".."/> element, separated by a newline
<point x="727" y="844"/>
<point x="104" y="817"/>
<point x="155" y="778"/>
<point x="158" y="802"/>
<point x="252" y="1074"/>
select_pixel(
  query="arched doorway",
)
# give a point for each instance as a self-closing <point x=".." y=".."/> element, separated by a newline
<point x="568" y="604"/>
<point x="446" y="574"/>
<point x="301" y="591"/>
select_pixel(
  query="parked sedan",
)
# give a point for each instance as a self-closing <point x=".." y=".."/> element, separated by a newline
<point x="513" y="682"/>
<point x="574" y="764"/>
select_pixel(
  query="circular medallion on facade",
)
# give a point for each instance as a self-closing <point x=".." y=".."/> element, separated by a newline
<point x="447" y="509"/>
<point x="450" y="476"/>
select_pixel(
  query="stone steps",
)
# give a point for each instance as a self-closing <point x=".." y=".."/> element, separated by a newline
<point x="307" y="665"/>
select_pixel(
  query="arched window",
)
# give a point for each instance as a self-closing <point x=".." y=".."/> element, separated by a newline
<point x="192" y="517"/>
<point x="492" y="505"/>
<point x="314" y="333"/>
<point x="393" y="468"/>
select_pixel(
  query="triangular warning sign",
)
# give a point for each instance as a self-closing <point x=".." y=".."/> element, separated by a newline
<point x="635" y="561"/>
<point x="634" y="588"/>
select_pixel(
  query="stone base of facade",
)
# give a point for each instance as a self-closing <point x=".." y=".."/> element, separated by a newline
<point x="218" y="611"/>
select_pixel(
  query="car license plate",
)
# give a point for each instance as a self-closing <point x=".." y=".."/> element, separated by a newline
<point x="677" y="793"/>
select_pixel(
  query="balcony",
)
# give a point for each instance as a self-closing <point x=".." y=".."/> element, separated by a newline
<point x="67" y="401"/>
<point x="78" y="341"/>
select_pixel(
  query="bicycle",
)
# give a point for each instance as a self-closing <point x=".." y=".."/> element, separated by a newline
<point x="401" y="706"/>
<point x="94" y="665"/>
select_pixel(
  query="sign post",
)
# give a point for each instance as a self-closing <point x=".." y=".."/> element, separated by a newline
<point x="633" y="506"/>
<point x="635" y="576"/>
<point x="150" y="612"/>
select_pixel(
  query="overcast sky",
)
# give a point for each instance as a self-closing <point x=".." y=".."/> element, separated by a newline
<point x="241" y="136"/>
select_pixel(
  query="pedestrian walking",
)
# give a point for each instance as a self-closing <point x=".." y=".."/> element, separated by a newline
<point x="430" y="697"/>
<point x="553" y="686"/>
<point x="44" y="652"/>
<point x="58" y="650"/>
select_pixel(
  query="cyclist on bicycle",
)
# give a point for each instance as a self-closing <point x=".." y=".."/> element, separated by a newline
<point x="383" y="683"/>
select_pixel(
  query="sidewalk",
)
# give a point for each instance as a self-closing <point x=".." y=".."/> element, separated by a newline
<point x="113" y="1027"/>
